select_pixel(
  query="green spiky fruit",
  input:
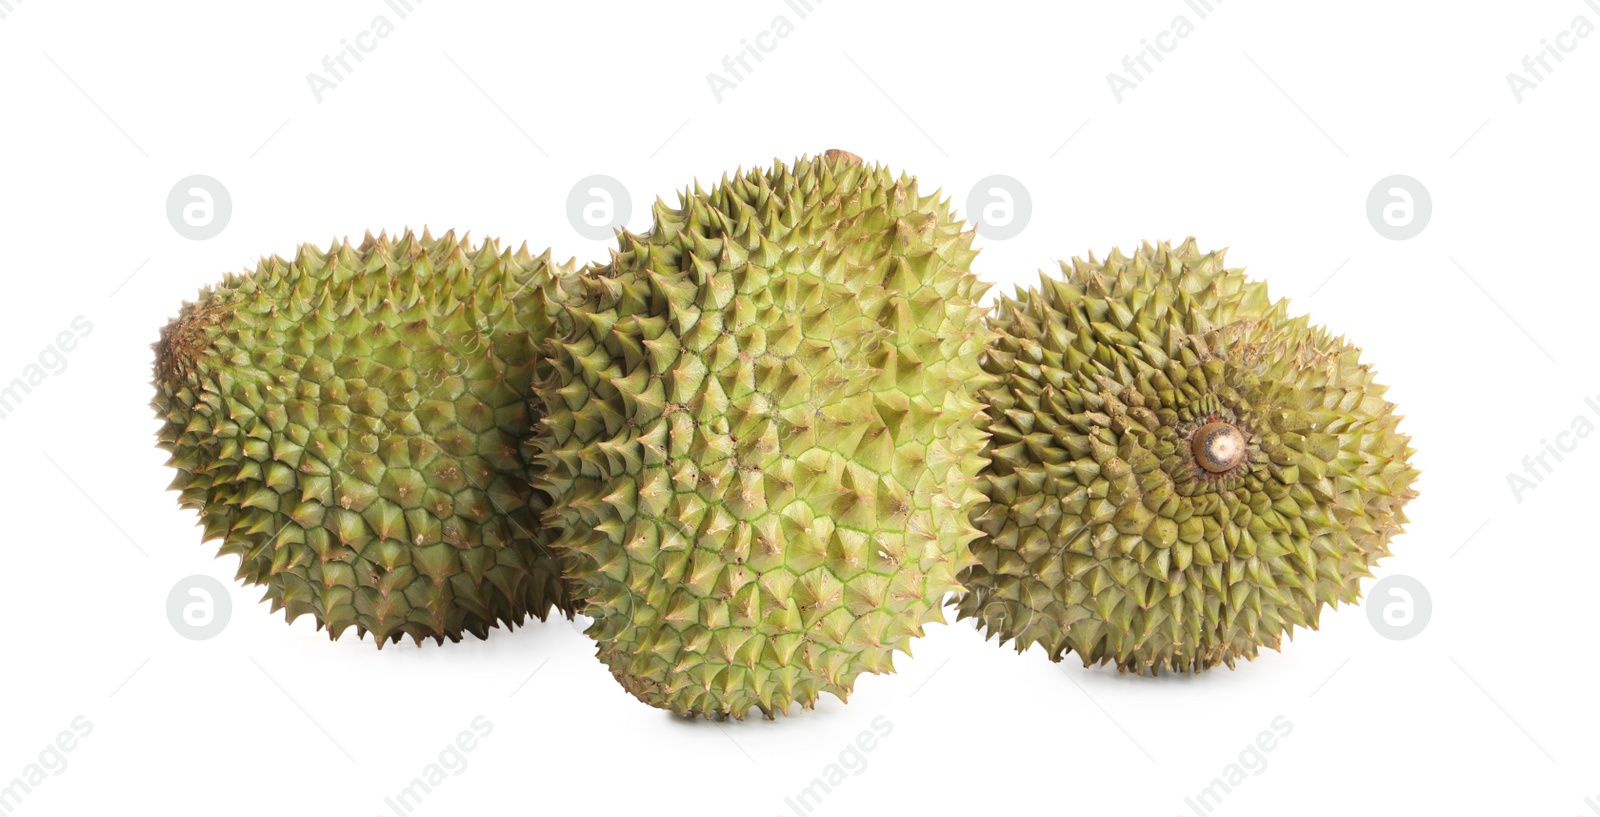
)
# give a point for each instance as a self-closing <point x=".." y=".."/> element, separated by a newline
<point x="762" y="438"/>
<point x="351" y="425"/>
<point x="1181" y="472"/>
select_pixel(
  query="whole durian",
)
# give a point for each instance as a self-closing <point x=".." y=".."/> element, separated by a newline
<point x="1181" y="472"/>
<point x="351" y="425"/>
<point x="762" y="438"/>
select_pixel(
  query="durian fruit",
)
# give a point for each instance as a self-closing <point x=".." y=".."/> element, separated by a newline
<point x="351" y="423"/>
<point x="762" y="440"/>
<point x="1181" y="472"/>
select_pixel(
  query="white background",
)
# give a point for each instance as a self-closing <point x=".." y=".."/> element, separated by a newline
<point x="1264" y="131"/>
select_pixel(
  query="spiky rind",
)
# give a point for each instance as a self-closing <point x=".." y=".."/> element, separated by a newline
<point x="350" y="425"/>
<point x="1104" y="537"/>
<point x="762" y="437"/>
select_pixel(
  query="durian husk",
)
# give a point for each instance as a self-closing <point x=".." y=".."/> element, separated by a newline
<point x="1103" y="537"/>
<point x="351" y="424"/>
<point x="762" y="436"/>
